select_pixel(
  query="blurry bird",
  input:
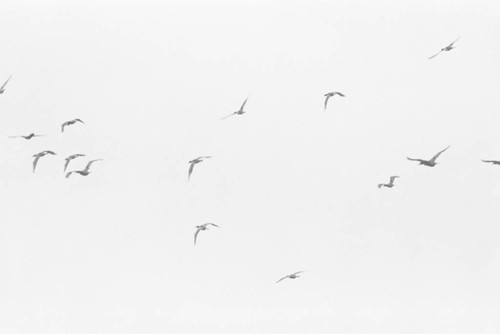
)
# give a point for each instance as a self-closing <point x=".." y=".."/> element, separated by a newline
<point x="202" y="227"/>
<point x="84" y="172"/>
<point x="447" y="48"/>
<point x="70" y="123"/>
<point x="38" y="156"/>
<point x="292" y="276"/>
<point x="194" y="162"/>
<point x="390" y="184"/>
<point x="2" y="89"/>
<point x="28" y="137"/>
<point x="494" y="162"/>
<point x="329" y="95"/>
<point x="71" y="157"/>
<point x="432" y="162"/>
<point x="239" y="112"/>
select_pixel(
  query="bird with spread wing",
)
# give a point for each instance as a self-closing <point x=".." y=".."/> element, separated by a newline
<point x="27" y="137"/>
<point x="446" y="48"/>
<point x="194" y="162"/>
<point x="68" y="123"/>
<point x="239" y="111"/>
<point x="432" y="162"/>
<point x="390" y="184"/>
<point x="202" y="227"/>
<point x="84" y="172"/>
<point x="38" y="156"/>
<point x="331" y="94"/>
<point x="292" y="276"/>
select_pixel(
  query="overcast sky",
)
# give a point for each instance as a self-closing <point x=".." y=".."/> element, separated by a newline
<point x="292" y="187"/>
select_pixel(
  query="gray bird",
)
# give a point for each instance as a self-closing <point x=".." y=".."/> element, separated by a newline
<point x="292" y="276"/>
<point x="2" y="89"/>
<point x="446" y="48"/>
<point x="73" y="121"/>
<point x="71" y="157"/>
<point x="38" y="156"/>
<point x="28" y="137"/>
<point x="329" y="95"/>
<point x="194" y="162"/>
<point x="494" y="162"/>
<point x="390" y="184"/>
<point x="432" y="162"/>
<point x="202" y="227"/>
<point x="84" y="172"/>
<point x="238" y="112"/>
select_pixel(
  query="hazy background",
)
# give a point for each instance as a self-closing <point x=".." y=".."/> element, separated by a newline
<point x="292" y="187"/>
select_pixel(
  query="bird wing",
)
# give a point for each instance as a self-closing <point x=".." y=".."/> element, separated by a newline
<point x="196" y="235"/>
<point x="451" y="44"/>
<point x="282" y="278"/>
<point x="68" y="159"/>
<point x="16" y="136"/>
<point x="435" y="54"/>
<point x="69" y="173"/>
<point x="228" y="116"/>
<point x="3" y="86"/>
<point x="35" y="162"/>
<point x="78" y="120"/>
<point x="243" y="105"/>
<point x="391" y="180"/>
<point x="326" y="100"/>
<point x="63" y="125"/>
<point x="191" y="170"/>
<point x="90" y="163"/>
<point x="298" y="272"/>
<point x="415" y="159"/>
<point x="438" y="154"/>
<point x="339" y="93"/>
<point x="212" y="224"/>
<point x="380" y="185"/>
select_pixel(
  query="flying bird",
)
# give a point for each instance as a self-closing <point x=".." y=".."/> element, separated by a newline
<point x="202" y="227"/>
<point x="390" y="184"/>
<point x="446" y="48"/>
<point x="432" y="162"/>
<point x="67" y="123"/>
<point x="494" y="162"/>
<point x="194" y="162"/>
<point x="292" y="276"/>
<point x="38" y="156"/>
<point x="238" y="112"/>
<point x="28" y="137"/>
<point x="2" y="89"/>
<point x="71" y="157"/>
<point x="329" y="95"/>
<point x="84" y="172"/>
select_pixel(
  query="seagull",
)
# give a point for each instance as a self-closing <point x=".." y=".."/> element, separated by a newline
<point x="432" y="162"/>
<point x="84" y="172"/>
<point x="28" y="137"/>
<point x="292" y="276"/>
<point x="2" y="89"/>
<point x="329" y="95"/>
<point x="239" y="112"/>
<point x="390" y="184"/>
<point x="202" y="227"/>
<point x="447" y="48"/>
<point x="494" y="162"/>
<point x="70" y="123"/>
<point x="71" y="157"/>
<point x="194" y="162"/>
<point x="38" y="156"/>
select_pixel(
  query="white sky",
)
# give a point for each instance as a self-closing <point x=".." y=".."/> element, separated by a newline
<point x="292" y="187"/>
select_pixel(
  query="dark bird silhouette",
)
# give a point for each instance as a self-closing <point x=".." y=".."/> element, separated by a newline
<point x="494" y="162"/>
<point x="432" y="162"/>
<point x="238" y="112"/>
<point x="292" y="276"/>
<point x="202" y="227"/>
<point x="446" y="48"/>
<point x="194" y="162"/>
<point x="84" y="172"/>
<point x="38" y="156"/>
<point x="390" y="184"/>
<point x="329" y="95"/>
<point x="71" y="157"/>
<point x="67" y="123"/>
<point x="28" y="137"/>
<point x="2" y="89"/>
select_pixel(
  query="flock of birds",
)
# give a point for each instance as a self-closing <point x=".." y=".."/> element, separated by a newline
<point x="86" y="171"/>
<point x="37" y="156"/>
<point x="429" y="163"/>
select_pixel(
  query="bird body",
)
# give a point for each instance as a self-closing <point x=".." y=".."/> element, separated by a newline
<point x="390" y="184"/>
<point x="331" y="94"/>
<point x="432" y="162"/>
<point x="38" y="156"/>
<point x="194" y="162"/>
<point x="240" y="111"/>
<point x="2" y="89"/>
<point x="67" y="123"/>
<point x="292" y="276"/>
<point x="202" y="227"/>
<point x="85" y="171"/>
<point x="446" y="48"/>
